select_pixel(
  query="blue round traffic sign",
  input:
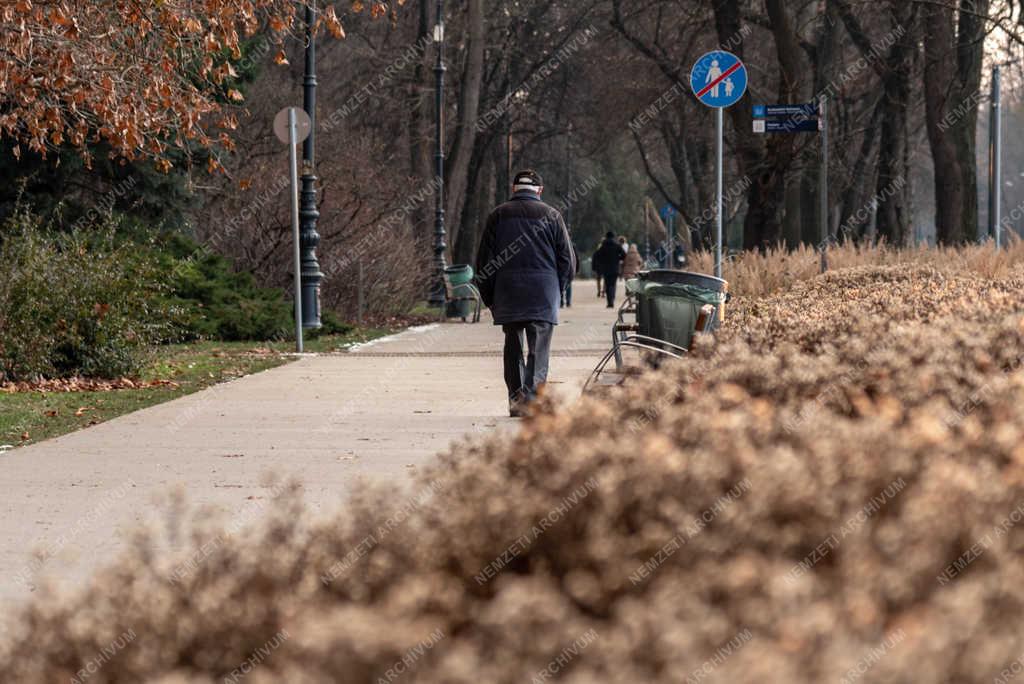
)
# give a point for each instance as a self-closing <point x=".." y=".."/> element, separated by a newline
<point x="718" y="79"/>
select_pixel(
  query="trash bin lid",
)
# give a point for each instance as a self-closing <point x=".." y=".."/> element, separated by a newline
<point x="685" y="291"/>
<point x="664" y="276"/>
<point x="670" y="283"/>
<point x="459" y="273"/>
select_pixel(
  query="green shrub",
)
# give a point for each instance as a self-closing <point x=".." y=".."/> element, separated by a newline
<point x="218" y="303"/>
<point x="331" y="324"/>
<point x="76" y="303"/>
<point x="92" y="301"/>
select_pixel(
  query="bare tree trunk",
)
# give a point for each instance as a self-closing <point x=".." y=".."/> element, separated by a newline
<point x="824" y="62"/>
<point x="466" y="232"/>
<point x="952" y="76"/>
<point x="893" y="187"/>
<point x="458" y="169"/>
<point x="791" y="216"/>
<point x="853" y="223"/>
<point x="478" y="196"/>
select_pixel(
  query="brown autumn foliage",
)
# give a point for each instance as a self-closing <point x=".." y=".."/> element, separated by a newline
<point x="145" y="77"/>
<point x="829" y="491"/>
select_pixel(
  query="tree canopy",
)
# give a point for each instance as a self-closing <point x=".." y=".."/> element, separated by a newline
<point x="147" y="78"/>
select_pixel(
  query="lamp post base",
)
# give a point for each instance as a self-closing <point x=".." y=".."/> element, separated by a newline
<point x="436" y="297"/>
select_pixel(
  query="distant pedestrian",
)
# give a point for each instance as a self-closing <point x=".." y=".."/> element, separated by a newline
<point x="632" y="264"/>
<point x="524" y="264"/>
<point x="597" y="274"/>
<point x="567" y="293"/>
<point x="623" y="244"/>
<point x="606" y="260"/>
<point x="679" y="255"/>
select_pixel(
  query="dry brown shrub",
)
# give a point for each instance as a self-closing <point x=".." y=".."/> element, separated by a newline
<point x="881" y="407"/>
<point x="759" y="274"/>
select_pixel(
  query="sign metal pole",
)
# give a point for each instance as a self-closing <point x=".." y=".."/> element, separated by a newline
<point x="359" y="293"/>
<point x="990" y="225"/>
<point x="293" y="140"/>
<point x="718" y="193"/>
<point x="823" y="183"/>
<point x="997" y="158"/>
<point x="647" y="229"/>
<point x="293" y="126"/>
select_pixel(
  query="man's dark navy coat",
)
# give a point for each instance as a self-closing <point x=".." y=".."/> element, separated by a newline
<point x="525" y="261"/>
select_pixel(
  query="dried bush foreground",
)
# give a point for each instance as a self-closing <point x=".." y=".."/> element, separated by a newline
<point x="867" y="423"/>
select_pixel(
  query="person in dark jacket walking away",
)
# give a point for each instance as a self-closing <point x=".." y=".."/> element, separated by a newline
<point x="606" y="261"/>
<point x="524" y="264"/>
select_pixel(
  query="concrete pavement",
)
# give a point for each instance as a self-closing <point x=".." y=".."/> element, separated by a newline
<point x="329" y="421"/>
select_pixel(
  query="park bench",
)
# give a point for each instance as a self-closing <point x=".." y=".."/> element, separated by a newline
<point x="667" y="308"/>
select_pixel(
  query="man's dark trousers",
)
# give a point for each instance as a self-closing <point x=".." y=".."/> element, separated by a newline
<point x="524" y="379"/>
<point x="609" y="287"/>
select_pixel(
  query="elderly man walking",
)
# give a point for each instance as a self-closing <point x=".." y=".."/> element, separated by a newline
<point x="524" y="264"/>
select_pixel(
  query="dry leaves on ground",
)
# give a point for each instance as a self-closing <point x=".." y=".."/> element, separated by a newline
<point x="83" y="385"/>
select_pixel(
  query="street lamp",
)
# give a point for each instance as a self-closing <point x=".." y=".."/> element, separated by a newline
<point x="309" y="237"/>
<point x="437" y="290"/>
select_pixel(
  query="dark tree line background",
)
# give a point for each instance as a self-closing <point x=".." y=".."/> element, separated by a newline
<point x="594" y="94"/>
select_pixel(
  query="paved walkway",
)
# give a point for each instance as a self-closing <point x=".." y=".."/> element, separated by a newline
<point x="379" y="411"/>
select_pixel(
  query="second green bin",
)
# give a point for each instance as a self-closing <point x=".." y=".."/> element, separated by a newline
<point x="669" y="303"/>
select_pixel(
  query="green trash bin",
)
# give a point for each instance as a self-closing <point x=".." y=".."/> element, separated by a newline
<point x="460" y="277"/>
<point x="669" y="303"/>
<point x="586" y="269"/>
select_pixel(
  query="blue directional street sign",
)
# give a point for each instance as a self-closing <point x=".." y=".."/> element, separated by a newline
<point x="667" y="212"/>
<point x="794" y="110"/>
<point x="718" y="79"/>
<point x="786" y="125"/>
<point x="786" y="118"/>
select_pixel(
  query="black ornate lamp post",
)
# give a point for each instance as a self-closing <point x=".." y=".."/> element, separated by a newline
<point x="309" y="237"/>
<point x="437" y="292"/>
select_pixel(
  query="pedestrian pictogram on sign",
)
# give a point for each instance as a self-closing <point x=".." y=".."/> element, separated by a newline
<point x="718" y="79"/>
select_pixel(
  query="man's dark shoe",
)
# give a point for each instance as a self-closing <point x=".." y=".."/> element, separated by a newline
<point x="517" y="410"/>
